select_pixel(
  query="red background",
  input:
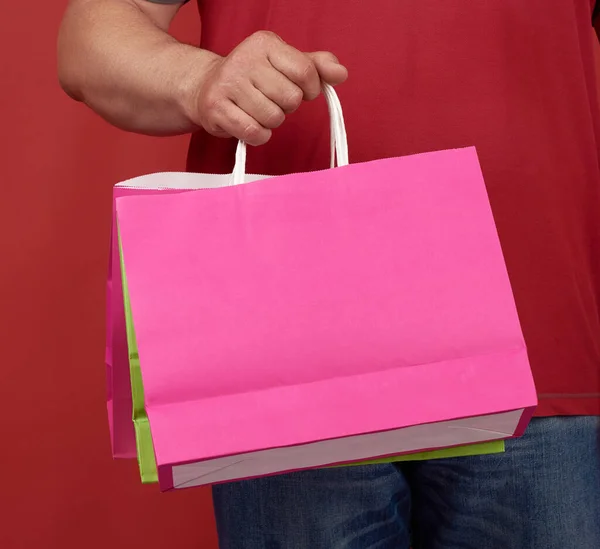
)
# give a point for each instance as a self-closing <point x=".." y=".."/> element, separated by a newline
<point x="58" y="162"/>
<point x="60" y="487"/>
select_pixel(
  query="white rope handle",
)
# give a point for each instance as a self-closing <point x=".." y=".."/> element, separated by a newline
<point x="338" y="138"/>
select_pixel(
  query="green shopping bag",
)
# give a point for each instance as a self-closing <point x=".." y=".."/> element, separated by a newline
<point x="145" y="447"/>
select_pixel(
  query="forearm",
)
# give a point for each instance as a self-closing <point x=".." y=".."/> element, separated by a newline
<point x="117" y="57"/>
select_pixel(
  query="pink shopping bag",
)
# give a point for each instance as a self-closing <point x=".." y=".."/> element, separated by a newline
<point x="118" y="388"/>
<point x="119" y="392"/>
<point x="324" y="317"/>
<point x="119" y="397"/>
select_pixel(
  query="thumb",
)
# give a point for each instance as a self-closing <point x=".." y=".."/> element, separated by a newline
<point x="329" y="68"/>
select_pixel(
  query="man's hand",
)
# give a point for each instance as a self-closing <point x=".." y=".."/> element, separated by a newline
<point x="249" y="92"/>
<point x="117" y="57"/>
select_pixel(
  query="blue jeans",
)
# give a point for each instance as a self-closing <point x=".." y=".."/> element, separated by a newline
<point x="542" y="493"/>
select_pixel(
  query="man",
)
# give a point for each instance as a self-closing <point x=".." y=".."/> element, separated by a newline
<point x="514" y="78"/>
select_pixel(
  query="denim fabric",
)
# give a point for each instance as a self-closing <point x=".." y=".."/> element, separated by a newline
<point x="542" y="493"/>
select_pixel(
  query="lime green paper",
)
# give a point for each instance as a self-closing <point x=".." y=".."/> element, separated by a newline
<point x="143" y="436"/>
<point x="145" y="447"/>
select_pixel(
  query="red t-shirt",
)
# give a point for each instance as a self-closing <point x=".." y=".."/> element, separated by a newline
<point x="516" y="79"/>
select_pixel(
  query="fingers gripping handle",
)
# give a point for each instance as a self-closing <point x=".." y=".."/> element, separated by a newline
<point x="339" y="139"/>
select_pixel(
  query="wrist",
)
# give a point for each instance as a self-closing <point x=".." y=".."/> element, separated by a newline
<point x="194" y="67"/>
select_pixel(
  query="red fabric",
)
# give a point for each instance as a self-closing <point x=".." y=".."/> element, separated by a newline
<point x="517" y="80"/>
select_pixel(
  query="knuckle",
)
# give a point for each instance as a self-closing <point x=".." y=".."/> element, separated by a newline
<point x="306" y="72"/>
<point x="292" y="100"/>
<point x="250" y="133"/>
<point x="274" y="118"/>
<point x="213" y="102"/>
<point x="210" y="123"/>
<point x="263" y="37"/>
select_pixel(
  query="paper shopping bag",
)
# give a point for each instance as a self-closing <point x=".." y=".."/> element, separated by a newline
<point x="323" y="318"/>
<point x="121" y="409"/>
<point x="119" y="397"/>
<point x="145" y="448"/>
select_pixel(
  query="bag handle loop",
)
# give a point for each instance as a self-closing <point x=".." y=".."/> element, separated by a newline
<point x="338" y="138"/>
